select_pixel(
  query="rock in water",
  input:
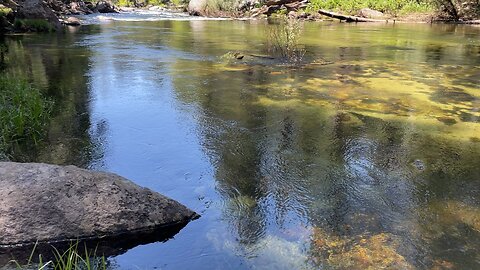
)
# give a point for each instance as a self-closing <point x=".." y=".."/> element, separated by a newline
<point x="370" y="13"/>
<point x="37" y="9"/>
<point x="49" y="203"/>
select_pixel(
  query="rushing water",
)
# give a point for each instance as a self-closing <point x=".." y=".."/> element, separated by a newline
<point x="372" y="160"/>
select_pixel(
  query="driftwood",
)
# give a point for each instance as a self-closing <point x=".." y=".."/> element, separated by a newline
<point x="347" y="18"/>
<point x="279" y="2"/>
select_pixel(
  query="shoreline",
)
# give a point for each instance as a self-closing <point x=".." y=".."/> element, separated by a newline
<point x="414" y="18"/>
<point x="57" y="20"/>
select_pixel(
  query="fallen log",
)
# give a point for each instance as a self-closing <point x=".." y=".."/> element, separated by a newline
<point x="347" y="18"/>
<point x="279" y="2"/>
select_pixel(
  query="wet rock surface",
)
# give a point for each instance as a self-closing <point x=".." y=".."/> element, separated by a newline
<point x="37" y="9"/>
<point x="106" y="7"/>
<point x="49" y="203"/>
<point x="72" y="21"/>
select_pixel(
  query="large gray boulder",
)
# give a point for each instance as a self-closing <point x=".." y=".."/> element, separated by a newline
<point x="197" y="7"/>
<point x="49" y="203"/>
<point x="371" y="13"/>
<point x="38" y="9"/>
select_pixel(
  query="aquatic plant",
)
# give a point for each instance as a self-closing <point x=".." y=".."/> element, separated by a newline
<point x="24" y="114"/>
<point x="458" y="9"/>
<point x="283" y="40"/>
<point x="70" y="259"/>
<point x="33" y="25"/>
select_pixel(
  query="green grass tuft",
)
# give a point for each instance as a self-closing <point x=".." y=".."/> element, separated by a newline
<point x="70" y="259"/>
<point x="24" y="114"/>
<point x="33" y="25"/>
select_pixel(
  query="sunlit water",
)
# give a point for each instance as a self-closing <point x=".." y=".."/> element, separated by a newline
<point x="370" y="161"/>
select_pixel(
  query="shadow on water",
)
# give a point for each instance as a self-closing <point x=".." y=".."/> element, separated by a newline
<point x="105" y="247"/>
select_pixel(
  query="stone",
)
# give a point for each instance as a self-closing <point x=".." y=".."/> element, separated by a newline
<point x="370" y="13"/>
<point x="37" y="9"/>
<point x="197" y="7"/>
<point x="72" y="21"/>
<point x="106" y="7"/>
<point x="53" y="204"/>
<point x="80" y="8"/>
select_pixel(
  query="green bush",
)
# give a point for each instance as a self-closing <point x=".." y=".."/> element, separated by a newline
<point x="33" y="25"/>
<point x="24" y="114"/>
<point x="386" y="6"/>
<point x="218" y="7"/>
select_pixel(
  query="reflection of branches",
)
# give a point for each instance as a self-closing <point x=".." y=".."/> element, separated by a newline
<point x="282" y="41"/>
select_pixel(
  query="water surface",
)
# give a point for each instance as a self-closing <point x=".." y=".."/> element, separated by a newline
<point x="370" y="161"/>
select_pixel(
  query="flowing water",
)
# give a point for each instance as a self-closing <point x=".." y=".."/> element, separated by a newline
<point x="366" y="154"/>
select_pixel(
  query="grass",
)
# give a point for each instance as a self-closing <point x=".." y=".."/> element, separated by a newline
<point x="393" y="7"/>
<point x="33" y="25"/>
<point x="24" y="114"/>
<point x="70" y="259"/>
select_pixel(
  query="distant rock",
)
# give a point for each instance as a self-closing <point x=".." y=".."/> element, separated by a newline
<point x="49" y="203"/>
<point x="106" y="7"/>
<point x="370" y="13"/>
<point x="80" y="8"/>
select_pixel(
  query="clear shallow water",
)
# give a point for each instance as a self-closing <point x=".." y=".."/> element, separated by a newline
<point x="367" y="162"/>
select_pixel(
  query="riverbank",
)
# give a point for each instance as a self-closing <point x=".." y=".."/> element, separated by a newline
<point x="38" y="16"/>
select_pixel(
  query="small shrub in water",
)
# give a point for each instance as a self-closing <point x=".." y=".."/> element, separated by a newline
<point x="283" y="39"/>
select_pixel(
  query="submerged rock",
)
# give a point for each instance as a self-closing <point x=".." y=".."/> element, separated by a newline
<point x="49" y="203"/>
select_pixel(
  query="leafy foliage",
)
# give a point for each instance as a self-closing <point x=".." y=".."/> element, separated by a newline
<point x="386" y="6"/>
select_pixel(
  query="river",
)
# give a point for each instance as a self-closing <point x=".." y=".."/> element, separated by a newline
<point x="367" y="154"/>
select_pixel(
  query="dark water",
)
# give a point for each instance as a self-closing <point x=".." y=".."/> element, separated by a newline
<point x="371" y="161"/>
